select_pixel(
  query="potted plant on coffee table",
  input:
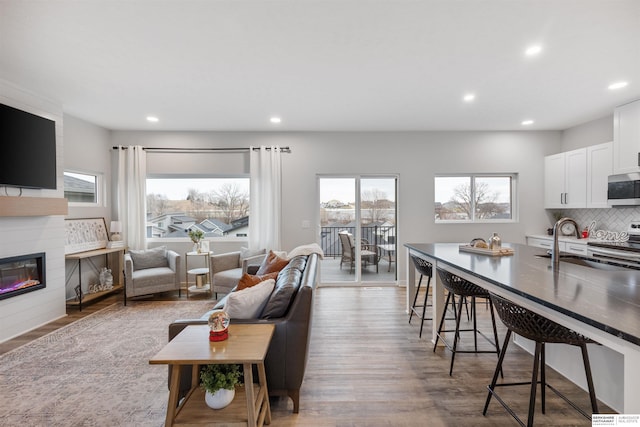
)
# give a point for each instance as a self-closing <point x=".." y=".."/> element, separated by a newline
<point x="219" y="383"/>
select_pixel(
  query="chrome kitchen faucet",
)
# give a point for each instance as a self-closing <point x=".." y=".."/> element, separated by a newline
<point x="555" y="252"/>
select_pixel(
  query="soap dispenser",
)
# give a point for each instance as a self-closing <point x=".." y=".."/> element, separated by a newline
<point x="495" y="242"/>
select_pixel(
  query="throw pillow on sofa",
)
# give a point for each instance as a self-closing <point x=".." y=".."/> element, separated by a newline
<point x="272" y="263"/>
<point x="248" y="303"/>
<point x="149" y="258"/>
<point x="247" y="280"/>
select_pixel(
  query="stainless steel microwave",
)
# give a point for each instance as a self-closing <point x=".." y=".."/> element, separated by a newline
<point x="624" y="190"/>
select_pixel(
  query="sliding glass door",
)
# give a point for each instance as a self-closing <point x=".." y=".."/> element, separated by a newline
<point x="358" y="228"/>
<point x="378" y="228"/>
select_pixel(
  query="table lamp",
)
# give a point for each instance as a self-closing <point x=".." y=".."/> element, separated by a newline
<point x="116" y="228"/>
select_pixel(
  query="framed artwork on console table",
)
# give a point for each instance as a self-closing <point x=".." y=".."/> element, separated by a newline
<point x="85" y="234"/>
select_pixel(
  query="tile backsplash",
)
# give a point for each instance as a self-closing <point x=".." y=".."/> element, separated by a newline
<point x="614" y="219"/>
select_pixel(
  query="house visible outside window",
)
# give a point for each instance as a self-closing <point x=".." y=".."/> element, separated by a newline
<point x="218" y="206"/>
<point x="475" y="198"/>
<point x="82" y="188"/>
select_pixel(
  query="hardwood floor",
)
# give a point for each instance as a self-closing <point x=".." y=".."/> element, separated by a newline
<point x="367" y="367"/>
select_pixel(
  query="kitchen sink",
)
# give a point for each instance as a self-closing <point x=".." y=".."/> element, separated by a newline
<point x="598" y="264"/>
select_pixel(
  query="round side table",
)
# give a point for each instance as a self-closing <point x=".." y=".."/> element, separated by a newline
<point x="202" y="277"/>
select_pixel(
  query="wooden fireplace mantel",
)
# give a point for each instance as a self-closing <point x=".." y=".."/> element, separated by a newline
<point x="32" y="206"/>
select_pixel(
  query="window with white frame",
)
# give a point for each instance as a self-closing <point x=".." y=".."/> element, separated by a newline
<point x="82" y="188"/>
<point x="475" y="198"/>
<point x="218" y="206"/>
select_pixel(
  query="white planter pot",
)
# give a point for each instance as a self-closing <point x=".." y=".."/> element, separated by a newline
<point x="220" y="398"/>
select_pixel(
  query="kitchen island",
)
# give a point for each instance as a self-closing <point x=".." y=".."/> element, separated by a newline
<point x="601" y="304"/>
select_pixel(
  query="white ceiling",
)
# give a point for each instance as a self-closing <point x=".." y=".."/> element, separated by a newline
<point x="324" y="65"/>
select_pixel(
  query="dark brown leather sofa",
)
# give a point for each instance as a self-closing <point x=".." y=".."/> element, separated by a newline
<point x="290" y="310"/>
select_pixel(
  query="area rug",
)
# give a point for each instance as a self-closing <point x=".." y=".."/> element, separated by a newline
<point x="95" y="371"/>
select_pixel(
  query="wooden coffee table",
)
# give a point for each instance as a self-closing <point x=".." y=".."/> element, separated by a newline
<point x="247" y="345"/>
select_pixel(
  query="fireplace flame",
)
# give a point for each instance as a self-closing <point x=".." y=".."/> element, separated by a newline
<point x="20" y="285"/>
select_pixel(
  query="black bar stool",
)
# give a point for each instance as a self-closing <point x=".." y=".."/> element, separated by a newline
<point x="458" y="286"/>
<point x="541" y="330"/>
<point x="425" y="269"/>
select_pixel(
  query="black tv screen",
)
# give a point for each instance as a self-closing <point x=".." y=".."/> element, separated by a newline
<point x="27" y="149"/>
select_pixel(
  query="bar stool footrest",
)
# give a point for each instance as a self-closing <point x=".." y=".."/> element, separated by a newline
<point x="528" y="383"/>
<point x="450" y="347"/>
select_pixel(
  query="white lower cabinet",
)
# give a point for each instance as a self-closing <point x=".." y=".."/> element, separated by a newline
<point x="565" y="244"/>
<point x="541" y="242"/>
<point x="575" y="248"/>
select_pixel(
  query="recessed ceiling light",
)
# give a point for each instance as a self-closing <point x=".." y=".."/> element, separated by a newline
<point x="618" y="85"/>
<point x="469" y="97"/>
<point x="533" y="50"/>
<point x="527" y="122"/>
<point x="152" y="119"/>
<point x="275" y="120"/>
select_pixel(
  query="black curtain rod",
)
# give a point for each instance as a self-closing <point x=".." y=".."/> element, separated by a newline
<point x="200" y="150"/>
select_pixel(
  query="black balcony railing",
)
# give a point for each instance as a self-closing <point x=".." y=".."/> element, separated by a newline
<point x="374" y="234"/>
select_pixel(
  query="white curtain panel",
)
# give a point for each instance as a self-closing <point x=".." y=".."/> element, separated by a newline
<point x="266" y="197"/>
<point x="132" y="195"/>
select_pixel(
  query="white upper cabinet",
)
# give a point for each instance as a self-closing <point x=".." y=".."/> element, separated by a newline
<point x="599" y="167"/>
<point x="565" y="179"/>
<point x="626" y="138"/>
<point x="578" y="178"/>
<point x="554" y="188"/>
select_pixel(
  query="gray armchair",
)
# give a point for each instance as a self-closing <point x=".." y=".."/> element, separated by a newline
<point x="228" y="268"/>
<point x="151" y="271"/>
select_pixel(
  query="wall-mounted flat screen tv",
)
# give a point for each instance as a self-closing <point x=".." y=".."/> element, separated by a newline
<point x="27" y="149"/>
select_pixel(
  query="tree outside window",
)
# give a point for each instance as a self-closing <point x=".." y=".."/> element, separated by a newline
<point x="216" y="206"/>
<point x="473" y="198"/>
<point x="376" y="205"/>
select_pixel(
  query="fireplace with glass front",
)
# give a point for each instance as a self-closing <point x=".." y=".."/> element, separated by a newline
<point x="21" y="274"/>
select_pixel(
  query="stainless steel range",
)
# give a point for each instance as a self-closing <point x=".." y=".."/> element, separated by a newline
<point x="628" y="252"/>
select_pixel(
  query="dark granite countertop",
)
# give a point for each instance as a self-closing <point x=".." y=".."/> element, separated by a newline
<point x="608" y="300"/>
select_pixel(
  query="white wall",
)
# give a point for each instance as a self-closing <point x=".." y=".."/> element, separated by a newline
<point x="21" y="236"/>
<point x="88" y="150"/>
<point x="586" y="134"/>
<point x="414" y="156"/>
